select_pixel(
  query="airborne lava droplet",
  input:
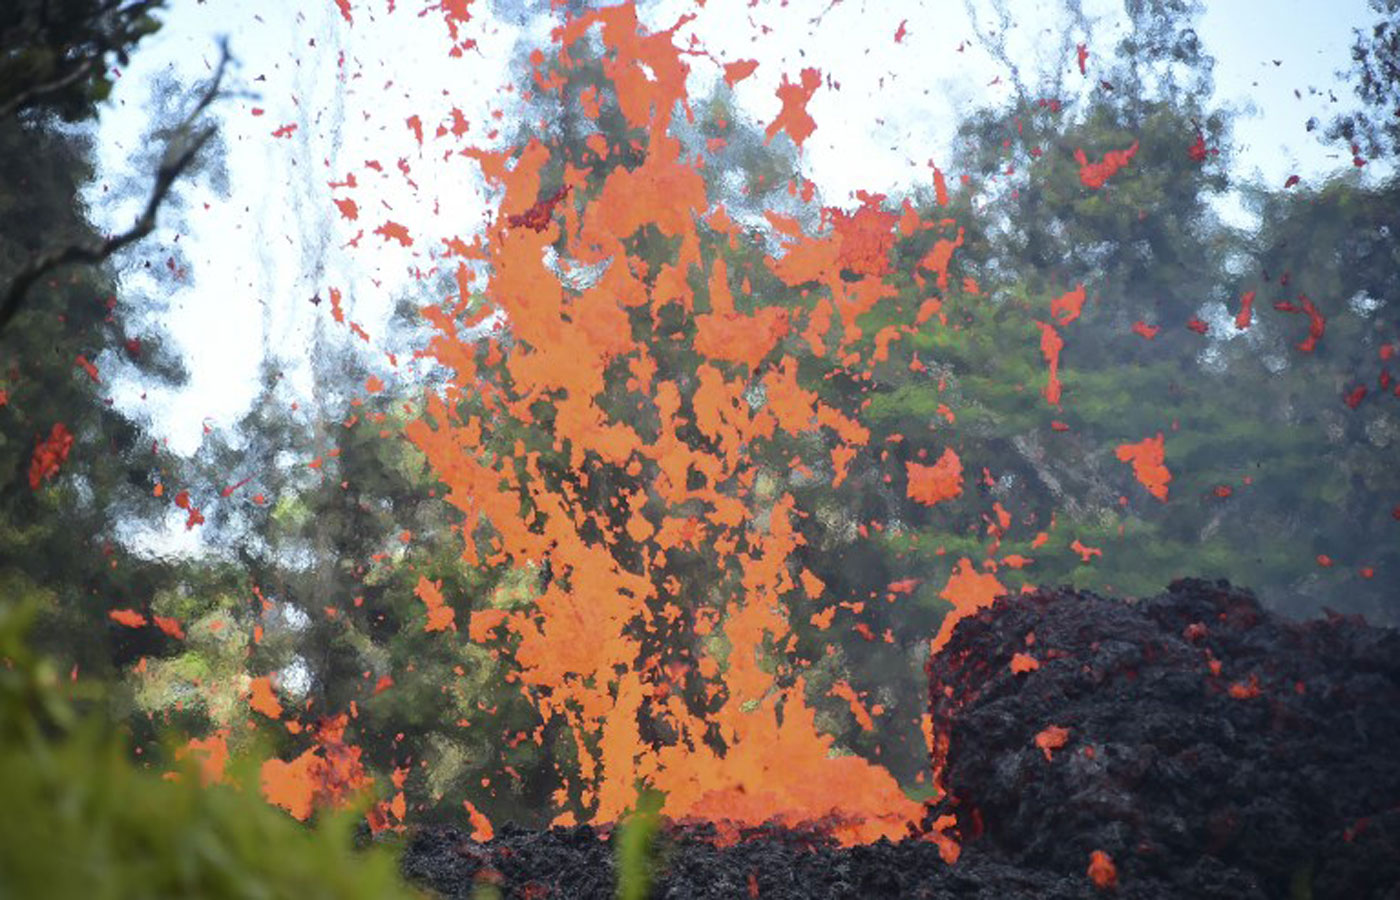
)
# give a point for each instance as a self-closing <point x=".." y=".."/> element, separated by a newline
<point x="1096" y="175"/>
<point x="1147" y="458"/>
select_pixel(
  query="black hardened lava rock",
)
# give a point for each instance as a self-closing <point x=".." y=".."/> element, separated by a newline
<point x="1210" y="748"/>
<point x="1208" y="744"/>
<point x="574" y="863"/>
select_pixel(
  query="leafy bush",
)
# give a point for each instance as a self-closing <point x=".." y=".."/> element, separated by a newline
<point x="82" y="820"/>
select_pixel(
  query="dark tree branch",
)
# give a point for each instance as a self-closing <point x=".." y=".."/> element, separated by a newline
<point x="994" y="40"/>
<point x="26" y="97"/>
<point x="180" y="151"/>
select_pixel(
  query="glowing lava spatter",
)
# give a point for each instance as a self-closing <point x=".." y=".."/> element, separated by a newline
<point x="750" y="750"/>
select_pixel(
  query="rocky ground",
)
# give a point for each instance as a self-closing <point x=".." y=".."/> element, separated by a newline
<point x="1192" y="743"/>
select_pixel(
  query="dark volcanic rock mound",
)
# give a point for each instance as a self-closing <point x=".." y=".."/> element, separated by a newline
<point x="1207" y="743"/>
<point x="1211" y="749"/>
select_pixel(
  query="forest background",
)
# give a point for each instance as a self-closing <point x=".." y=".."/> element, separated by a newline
<point x="331" y="603"/>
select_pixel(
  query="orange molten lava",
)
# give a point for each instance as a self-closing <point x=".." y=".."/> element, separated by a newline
<point x="680" y="445"/>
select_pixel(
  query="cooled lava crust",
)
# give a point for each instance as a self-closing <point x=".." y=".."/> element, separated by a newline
<point x="1209" y="748"/>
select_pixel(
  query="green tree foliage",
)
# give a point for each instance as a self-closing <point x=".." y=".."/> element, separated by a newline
<point x="970" y="377"/>
<point x="1375" y="129"/>
<point x="327" y="529"/>
<point x="1251" y="497"/>
<point x="77" y="474"/>
<point x="73" y="468"/>
<point x="55" y="59"/>
<point x="1325" y="486"/>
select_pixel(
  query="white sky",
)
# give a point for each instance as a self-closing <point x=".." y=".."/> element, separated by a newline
<point x="259" y="253"/>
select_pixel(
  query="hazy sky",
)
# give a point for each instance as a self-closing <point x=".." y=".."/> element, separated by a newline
<point x="259" y="252"/>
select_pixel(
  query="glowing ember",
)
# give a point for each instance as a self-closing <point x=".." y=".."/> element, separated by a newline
<point x="49" y="455"/>
<point x="1051" y="738"/>
<point x="1101" y="871"/>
